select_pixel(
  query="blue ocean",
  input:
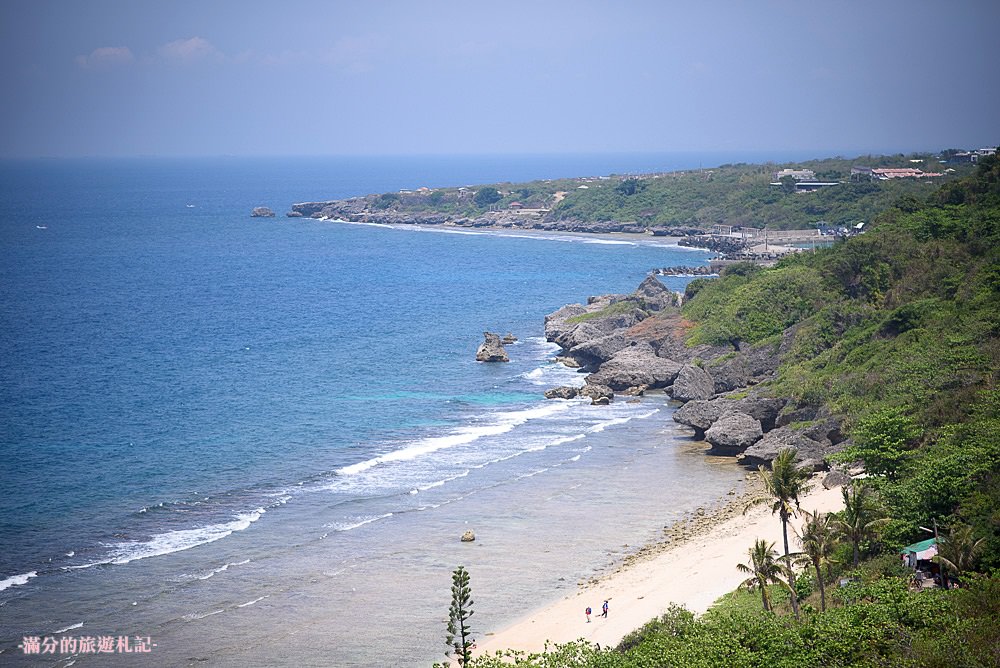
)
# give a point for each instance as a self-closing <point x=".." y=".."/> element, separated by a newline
<point x="256" y="441"/>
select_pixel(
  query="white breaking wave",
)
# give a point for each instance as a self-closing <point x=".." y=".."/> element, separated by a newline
<point x="222" y="569"/>
<point x="610" y="242"/>
<point x="248" y="603"/>
<point x="174" y="541"/>
<point x="68" y="628"/>
<point x="358" y="522"/>
<point x="504" y="423"/>
<point x="200" y="615"/>
<point x="598" y="428"/>
<point x="16" y="580"/>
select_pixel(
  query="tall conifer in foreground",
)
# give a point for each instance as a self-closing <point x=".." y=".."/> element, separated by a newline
<point x="458" y="638"/>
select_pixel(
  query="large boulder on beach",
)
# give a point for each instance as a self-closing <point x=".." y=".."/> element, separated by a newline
<point x="692" y="382"/>
<point x="634" y="366"/>
<point x="734" y="431"/>
<point x="491" y="350"/>
<point x="701" y="414"/>
<point x="810" y="454"/>
<point x="564" y="392"/>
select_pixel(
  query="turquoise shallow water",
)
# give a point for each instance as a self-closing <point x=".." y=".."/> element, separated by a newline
<point x="214" y="426"/>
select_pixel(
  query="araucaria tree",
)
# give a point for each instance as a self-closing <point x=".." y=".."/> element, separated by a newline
<point x="763" y="569"/>
<point x="783" y="486"/>
<point x="860" y="519"/>
<point x="458" y="639"/>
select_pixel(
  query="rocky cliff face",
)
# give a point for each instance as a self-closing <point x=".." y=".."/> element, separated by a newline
<point x="634" y="343"/>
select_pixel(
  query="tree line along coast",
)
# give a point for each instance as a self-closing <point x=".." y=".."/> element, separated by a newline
<point x="871" y="361"/>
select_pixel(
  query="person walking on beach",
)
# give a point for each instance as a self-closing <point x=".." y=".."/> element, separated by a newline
<point x="604" y="608"/>
<point x="587" y="612"/>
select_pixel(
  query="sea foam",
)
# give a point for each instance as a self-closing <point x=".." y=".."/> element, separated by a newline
<point x="16" y="580"/>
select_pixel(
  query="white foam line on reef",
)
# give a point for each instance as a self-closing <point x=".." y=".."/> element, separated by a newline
<point x="16" y="580"/>
<point x="174" y="541"/>
<point x="68" y="628"/>
<point x="340" y="526"/>
<point x="249" y="603"/>
<point x="462" y="436"/>
<point x="222" y="569"/>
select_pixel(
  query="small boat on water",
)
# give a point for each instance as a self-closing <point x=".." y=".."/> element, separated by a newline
<point x="41" y="227"/>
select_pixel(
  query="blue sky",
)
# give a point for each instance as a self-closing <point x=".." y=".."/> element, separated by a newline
<point x="294" y="78"/>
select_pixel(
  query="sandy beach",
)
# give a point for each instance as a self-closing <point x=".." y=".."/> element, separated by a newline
<point x="694" y="567"/>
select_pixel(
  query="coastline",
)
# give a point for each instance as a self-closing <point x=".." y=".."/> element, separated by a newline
<point x="693" y="565"/>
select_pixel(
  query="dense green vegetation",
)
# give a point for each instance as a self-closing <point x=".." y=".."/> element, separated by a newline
<point x="898" y="331"/>
<point x="738" y="195"/>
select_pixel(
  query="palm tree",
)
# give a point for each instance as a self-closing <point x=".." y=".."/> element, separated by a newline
<point x="957" y="551"/>
<point x="763" y="568"/>
<point x="818" y="540"/>
<point x="859" y="520"/>
<point x="784" y="484"/>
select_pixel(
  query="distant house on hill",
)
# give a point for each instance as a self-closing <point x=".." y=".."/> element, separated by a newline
<point x="797" y="174"/>
<point x="902" y="173"/>
<point x="515" y="205"/>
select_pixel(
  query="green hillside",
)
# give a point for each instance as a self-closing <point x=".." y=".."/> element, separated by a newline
<point x="897" y="330"/>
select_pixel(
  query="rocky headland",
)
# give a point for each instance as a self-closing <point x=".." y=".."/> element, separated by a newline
<point x="635" y="343"/>
<point x="366" y="210"/>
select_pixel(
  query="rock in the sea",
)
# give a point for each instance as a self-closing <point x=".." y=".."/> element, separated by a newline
<point x="734" y="431"/>
<point x="468" y="536"/>
<point x="569" y="361"/>
<point x="293" y="214"/>
<point x="508" y="339"/>
<point x="262" y="212"/>
<point x="634" y="366"/>
<point x="693" y="382"/>
<point x="598" y="394"/>
<point x="491" y="350"/>
<point x="564" y="392"/>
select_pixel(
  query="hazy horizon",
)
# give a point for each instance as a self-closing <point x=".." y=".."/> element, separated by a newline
<point x="185" y="79"/>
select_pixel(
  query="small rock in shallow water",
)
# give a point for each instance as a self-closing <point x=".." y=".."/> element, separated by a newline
<point x="468" y="536"/>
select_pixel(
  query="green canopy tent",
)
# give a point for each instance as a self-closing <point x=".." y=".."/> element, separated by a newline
<point x="921" y="551"/>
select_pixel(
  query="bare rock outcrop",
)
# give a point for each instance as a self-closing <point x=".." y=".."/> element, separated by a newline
<point x="809" y="453"/>
<point x="692" y="382"/>
<point x="598" y="394"/>
<point x="634" y="366"/>
<point x="734" y="431"/>
<point x="261" y="212"/>
<point x="491" y="350"/>
<point x="654" y="294"/>
<point x="701" y="414"/>
<point x="564" y="392"/>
